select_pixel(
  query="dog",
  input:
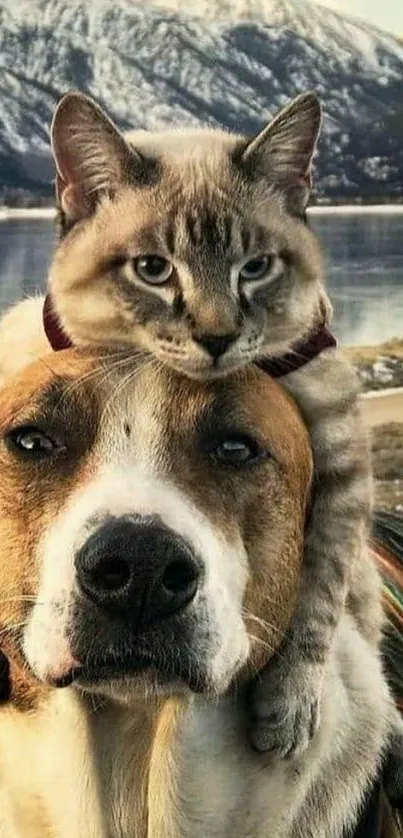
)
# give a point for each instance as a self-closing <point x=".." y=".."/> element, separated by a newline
<point x="152" y="531"/>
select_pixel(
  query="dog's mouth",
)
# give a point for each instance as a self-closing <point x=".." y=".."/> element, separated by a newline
<point x="127" y="668"/>
<point x="110" y="668"/>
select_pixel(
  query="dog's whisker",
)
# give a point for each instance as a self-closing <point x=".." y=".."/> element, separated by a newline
<point x="260" y="642"/>
<point x="9" y="630"/>
<point x="269" y="628"/>
<point x="21" y="598"/>
<point x="266" y="625"/>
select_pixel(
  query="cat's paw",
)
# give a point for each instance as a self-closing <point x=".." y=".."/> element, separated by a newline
<point x="283" y="711"/>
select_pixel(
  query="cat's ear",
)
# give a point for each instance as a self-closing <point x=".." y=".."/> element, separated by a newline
<point x="282" y="153"/>
<point x="91" y="155"/>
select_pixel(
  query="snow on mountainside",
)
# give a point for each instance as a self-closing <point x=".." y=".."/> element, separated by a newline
<point x="229" y="62"/>
<point x="311" y="20"/>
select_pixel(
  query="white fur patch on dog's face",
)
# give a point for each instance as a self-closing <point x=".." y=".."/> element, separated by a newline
<point x="120" y="488"/>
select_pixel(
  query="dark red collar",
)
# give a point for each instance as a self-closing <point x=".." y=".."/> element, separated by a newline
<point x="302" y="352"/>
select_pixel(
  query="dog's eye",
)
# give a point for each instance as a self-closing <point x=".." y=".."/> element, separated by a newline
<point x="155" y="270"/>
<point x="31" y="442"/>
<point x="257" y="268"/>
<point x="237" y="451"/>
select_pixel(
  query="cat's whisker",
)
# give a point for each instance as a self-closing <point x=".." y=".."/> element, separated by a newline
<point x="123" y="359"/>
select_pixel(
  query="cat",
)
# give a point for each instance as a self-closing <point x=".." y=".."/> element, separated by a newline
<point x="192" y="245"/>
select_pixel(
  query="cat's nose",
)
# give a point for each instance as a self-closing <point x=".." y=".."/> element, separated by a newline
<point x="216" y="345"/>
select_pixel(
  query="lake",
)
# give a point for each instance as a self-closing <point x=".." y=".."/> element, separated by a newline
<point x="364" y="256"/>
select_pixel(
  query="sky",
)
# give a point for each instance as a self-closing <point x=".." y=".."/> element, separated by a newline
<point x="387" y="14"/>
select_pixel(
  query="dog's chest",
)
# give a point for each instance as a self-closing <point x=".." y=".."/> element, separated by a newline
<point x="223" y="787"/>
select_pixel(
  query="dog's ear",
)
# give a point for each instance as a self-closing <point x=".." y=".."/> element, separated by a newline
<point x="282" y="152"/>
<point x="92" y="157"/>
<point x="5" y="682"/>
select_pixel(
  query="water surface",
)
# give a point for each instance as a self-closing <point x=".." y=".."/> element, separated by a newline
<point x="364" y="257"/>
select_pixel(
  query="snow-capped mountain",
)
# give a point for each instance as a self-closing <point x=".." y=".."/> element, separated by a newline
<point x="229" y="62"/>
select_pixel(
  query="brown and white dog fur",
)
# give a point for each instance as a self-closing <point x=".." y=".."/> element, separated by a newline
<point x="86" y="443"/>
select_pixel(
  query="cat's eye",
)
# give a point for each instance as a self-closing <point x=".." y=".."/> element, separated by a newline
<point x="236" y="451"/>
<point x="257" y="268"/>
<point x="31" y="442"/>
<point x="155" y="270"/>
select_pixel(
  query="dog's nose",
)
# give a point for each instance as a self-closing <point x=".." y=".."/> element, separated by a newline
<point x="137" y="567"/>
<point x="216" y="345"/>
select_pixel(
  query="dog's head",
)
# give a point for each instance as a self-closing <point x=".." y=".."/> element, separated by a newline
<point x="151" y="527"/>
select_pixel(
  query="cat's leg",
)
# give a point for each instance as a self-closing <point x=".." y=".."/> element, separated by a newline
<point x="285" y="701"/>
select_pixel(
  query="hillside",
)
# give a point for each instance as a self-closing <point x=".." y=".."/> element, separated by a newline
<point x="230" y="63"/>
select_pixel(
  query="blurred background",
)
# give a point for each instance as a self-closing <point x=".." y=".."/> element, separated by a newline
<point x="230" y="63"/>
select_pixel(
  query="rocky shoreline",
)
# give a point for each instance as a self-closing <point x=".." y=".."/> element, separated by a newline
<point x="387" y="454"/>
<point x="378" y="367"/>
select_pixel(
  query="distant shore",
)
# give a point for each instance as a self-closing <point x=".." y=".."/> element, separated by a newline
<point x="383" y="406"/>
<point x="380" y="368"/>
<point x="356" y="209"/>
<point x="15" y="213"/>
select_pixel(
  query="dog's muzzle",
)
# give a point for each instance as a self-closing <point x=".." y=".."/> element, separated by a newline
<point x="135" y="606"/>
